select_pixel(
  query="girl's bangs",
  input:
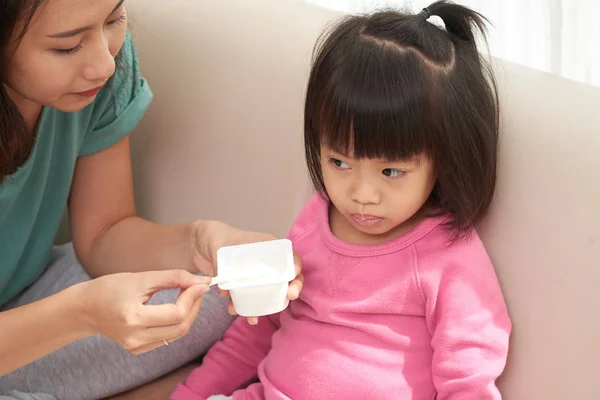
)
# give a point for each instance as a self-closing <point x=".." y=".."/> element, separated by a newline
<point x="371" y="109"/>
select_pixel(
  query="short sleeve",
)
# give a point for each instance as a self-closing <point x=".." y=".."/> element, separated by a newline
<point x="120" y="105"/>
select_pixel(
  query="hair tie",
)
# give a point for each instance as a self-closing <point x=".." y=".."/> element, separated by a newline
<point x="425" y="13"/>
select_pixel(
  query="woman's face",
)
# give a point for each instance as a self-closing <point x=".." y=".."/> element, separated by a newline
<point x="67" y="54"/>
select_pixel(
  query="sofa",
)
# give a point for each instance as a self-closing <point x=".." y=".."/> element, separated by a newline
<point x="223" y="140"/>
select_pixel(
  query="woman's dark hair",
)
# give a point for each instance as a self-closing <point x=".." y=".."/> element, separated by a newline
<point x="16" y="138"/>
<point x="392" y="85"/>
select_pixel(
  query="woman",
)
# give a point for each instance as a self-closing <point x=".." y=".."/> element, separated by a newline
<point x="64" y="119"/>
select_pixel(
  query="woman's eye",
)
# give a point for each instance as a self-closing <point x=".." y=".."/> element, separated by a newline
<point x="339" y="163"/>
<point x="72" y="50"/>
<point x="119" y="20"/>
<point x="393" y="173"/>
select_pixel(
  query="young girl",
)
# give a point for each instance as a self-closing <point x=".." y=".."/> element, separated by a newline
<point x="70" y="94"/>
<point x="400" y="299"/>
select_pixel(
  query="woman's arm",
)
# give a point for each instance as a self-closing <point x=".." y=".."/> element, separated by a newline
<point x="113" y="305"/>
<point x="37" y="329"/>
<point x="107" y="235"/>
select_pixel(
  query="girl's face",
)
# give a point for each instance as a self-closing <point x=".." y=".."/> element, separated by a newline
<point x="377" y="199"/>
<point x="67" y="54"/>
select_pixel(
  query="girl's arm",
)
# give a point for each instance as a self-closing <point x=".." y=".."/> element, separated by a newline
<point x="469" y="321"/>
<point x="231" y="363"/>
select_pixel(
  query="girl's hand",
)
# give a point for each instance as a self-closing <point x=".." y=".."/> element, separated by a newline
<point x="210" y="236"/>
<point x="115" y="306"/>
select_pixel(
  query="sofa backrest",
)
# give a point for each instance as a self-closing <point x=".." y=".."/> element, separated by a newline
<point x="223" y="140"/>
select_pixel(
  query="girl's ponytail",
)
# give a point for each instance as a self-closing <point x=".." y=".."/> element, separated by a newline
<point x="459" y="20"/>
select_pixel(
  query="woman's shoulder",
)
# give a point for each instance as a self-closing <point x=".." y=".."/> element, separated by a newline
<point x="124" y="87"/>
<point x="119" y="106"/>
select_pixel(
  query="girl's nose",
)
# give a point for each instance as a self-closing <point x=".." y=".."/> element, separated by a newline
<point x="365" y="193"/>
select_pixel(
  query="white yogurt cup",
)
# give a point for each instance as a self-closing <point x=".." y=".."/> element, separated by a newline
<point x="257" y="276"/>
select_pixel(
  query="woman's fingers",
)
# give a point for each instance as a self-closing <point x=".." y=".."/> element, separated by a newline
<point x="146" y="348"/>
<point x="173" y="314"/>
<point x="230" y="308"/>
<point x="296" y="285"/>
<point x="156" y="336"/>
<point x="298" y="264"/>
<point x="170" y="279"/>
<point x="117" y="307"/>
<point x="295" y="288"/>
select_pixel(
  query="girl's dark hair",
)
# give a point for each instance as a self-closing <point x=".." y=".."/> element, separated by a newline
<point x="392" y="85"/>
<point x="16" y="138"/>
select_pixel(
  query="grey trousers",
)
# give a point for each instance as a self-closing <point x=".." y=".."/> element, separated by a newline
<point x="95" y="367"/>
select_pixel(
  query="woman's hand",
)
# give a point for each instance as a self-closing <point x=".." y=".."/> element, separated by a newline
<point x="210" y="236"/>
<point x="115" y="306"/>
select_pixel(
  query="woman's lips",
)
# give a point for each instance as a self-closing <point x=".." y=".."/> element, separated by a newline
<point x="90" y="93"/>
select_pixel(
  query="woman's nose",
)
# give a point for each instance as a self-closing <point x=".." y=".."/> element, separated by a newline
<point x="101" y="65"/>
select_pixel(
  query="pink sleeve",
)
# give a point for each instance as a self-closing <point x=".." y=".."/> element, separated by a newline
<point x="231" y="363"/>
<point x="469" y="322"/>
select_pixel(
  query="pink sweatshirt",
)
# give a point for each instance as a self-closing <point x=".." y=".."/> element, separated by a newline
<point x="399" y="320"/>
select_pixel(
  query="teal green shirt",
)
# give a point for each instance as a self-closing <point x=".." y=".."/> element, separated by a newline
<point x="33" y="199"/>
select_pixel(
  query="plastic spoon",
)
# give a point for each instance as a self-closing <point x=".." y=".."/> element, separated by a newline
<point x="249" y="272"/>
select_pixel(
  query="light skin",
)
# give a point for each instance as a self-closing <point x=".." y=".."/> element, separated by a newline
<point x="374" y="201"/>
<point x="70" y="48"/>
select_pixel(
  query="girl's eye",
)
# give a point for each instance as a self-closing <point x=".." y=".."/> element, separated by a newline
<point x="339" y="163"/>
<point x="393" y="173"/>
<point x="72" y="50"/>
